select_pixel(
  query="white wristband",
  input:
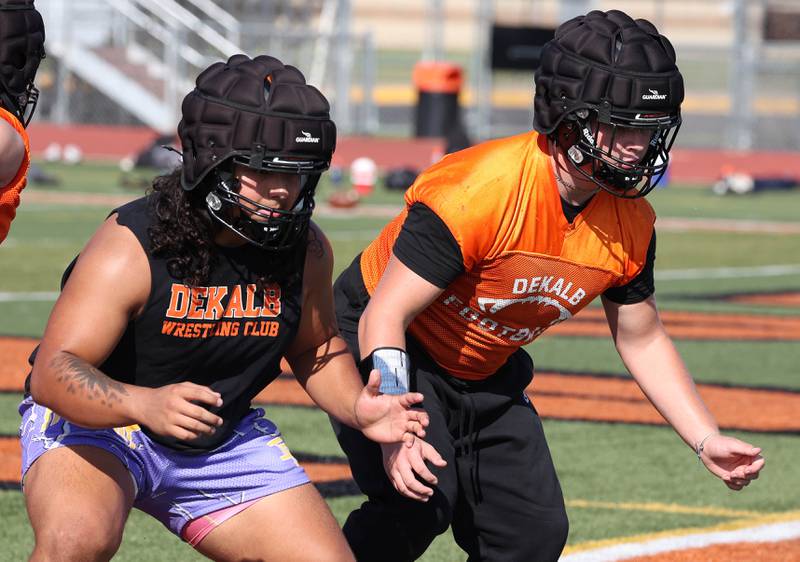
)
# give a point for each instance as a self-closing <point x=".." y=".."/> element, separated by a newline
<point x="393" y="364"/>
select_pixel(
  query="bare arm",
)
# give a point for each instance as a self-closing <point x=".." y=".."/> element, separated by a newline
<point x="324" y="367"/>
<point x="400" y="295"/>
<point x="109" y="285"/>
<point x="318" y="355"/>
<point x="88" y="320"/>
<point x="12" y="150"/>
<point x="651" y="357"/>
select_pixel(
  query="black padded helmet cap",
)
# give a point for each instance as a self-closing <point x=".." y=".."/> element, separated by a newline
<point x="21" y="51"/>
<point x="609" y="62"/>
<point x="253" y="109"/>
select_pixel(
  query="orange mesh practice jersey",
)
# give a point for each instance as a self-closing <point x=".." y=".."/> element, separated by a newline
<point x="9" y="194"/>
<point x="526" y="267"/>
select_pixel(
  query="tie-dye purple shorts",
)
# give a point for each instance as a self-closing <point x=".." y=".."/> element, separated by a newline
<point x="172" y="486"/>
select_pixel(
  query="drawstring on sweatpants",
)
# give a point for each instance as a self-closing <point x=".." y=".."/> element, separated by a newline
<point x="467" y="439"/>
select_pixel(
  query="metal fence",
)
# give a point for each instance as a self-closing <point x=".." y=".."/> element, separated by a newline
<point x="132" y="61"/>
<point x="743" y="83"/>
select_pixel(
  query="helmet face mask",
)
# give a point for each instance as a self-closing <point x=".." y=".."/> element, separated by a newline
<point x="23" y="106"/>
<point x="267" y="227"/>
<point x="601" y="150"/>
<point x="28" y="107"/>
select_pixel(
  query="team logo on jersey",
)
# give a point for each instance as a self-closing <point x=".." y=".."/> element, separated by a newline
<point x="494" y="306"/>
<point x="202" y="312"/>
<point x="213" y="303"/>
<point x="551" y="310"/>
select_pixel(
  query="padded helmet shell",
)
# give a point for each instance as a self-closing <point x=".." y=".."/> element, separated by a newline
<point x="21" y="51"/>
<point x="608" y="62"/>
<point x="258" y="111"/>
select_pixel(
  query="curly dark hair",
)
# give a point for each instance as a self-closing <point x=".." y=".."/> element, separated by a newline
<point x="183" y="233"/>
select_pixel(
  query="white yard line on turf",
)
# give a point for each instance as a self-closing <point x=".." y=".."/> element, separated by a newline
<point x="727" y="272"/>
<point x="726" y="225"/>
<point x="27" y="297"/>
<point x="666" y="275"/>
<point x="391" y="210"/>
<point x="772" y="532"/>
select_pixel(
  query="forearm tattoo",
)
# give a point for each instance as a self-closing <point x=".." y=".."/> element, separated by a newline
<point x="84" y="379"/>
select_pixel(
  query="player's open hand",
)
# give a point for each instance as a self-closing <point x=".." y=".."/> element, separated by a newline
<point x="405" y="464"/>
<point x="388" y="418"/>
<point x="735" y="462"/>
<point x="178" y="410"/>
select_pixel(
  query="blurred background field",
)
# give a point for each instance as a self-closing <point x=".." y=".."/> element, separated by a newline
<point x="619" y="480"/>
<point x="129" y="62"/>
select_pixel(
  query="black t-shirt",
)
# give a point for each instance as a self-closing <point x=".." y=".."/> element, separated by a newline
<point x="427" y="247"/>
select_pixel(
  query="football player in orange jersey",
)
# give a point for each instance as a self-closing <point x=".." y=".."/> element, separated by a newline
<point x="21" y="51"/>
<point x="496" y="244"/>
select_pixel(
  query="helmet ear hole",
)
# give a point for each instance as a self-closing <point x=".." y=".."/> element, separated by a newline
<point x="267" y="87"/>
<point x="615" y="53"/>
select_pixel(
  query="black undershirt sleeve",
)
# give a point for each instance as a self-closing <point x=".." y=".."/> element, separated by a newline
<point x="641" y="286"/>
<point x="427" y="247"/>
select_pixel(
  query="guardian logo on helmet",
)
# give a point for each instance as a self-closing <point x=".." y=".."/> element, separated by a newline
<point x="654" y="95"/>
<point x="306" y="137"/>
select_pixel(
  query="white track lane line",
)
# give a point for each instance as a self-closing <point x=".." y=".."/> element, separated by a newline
<point x="727" y="272"/>
<point x="763" y="533"/>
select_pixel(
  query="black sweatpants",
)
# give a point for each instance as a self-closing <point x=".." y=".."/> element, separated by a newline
<point x="499" y="490"/>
